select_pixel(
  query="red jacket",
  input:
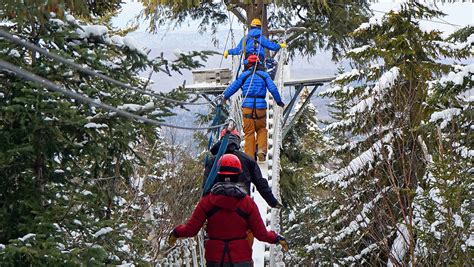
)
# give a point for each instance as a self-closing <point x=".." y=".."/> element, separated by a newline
<point x="229" y="218"/>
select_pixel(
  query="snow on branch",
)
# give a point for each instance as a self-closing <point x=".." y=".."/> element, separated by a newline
<point x="339" y="124"/>
<point x="465" y="152"/>
<point x="348" y="75"/>
<point x="399" y="246"/>
<point x="136" y="107"/>
<point x="361" y="219"/>
<point x="361" y="254"/>
<point x="373" y="21"/>
<point x="346" y="89"/>
<point x="96" y="125"/>
<point x="26" y="237"/>
<point x="102" y="32"/>
<point x="103" y="231"/>
<point x="359" y="163"/>
<point x="359" y="49"/>
<point x="386" y="81"/>
<point x="445" y="115"/>
<point x="457" y="77"/>
<point x="88" y="31"/>
<point x="457" y="45"/>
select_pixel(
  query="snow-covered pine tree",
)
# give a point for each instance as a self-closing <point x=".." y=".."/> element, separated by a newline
<point x="66" y="168"/>
<point x="300" y="154"/>
<point x="373" y="216"/>
<point x="301" y="157"/>
<point x="442" y="213"/>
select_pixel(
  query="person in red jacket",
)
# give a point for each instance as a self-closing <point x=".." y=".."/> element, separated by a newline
<point x="229" y="212"/>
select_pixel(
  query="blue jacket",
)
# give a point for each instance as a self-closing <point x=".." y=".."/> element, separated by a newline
<point x="257" y="91"/>
<point x="253" y="35"/>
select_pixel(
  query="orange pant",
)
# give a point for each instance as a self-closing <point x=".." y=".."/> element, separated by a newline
<point x="256" y="127"/>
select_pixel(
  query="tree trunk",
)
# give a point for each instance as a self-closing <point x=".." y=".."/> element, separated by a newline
<point x="257" y="10"/>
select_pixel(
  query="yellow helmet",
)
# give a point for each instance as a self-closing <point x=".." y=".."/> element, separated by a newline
<point x="256" y="23"/>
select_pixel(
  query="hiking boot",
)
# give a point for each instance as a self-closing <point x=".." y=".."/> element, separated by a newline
<point x="261" y="156"/>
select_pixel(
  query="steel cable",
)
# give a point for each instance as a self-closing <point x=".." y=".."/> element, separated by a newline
<point x="86" y="100"/>
<point x="88" y="71"/>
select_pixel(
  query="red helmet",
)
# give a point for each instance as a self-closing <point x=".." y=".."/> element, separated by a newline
<point x="252" y="59"/>
<point x="229" y="164"/>
<point x="234" y="132"/>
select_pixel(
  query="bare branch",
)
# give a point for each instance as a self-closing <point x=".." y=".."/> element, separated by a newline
<point x="239" y="15"/>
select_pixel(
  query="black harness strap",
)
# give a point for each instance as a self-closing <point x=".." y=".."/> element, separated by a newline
<point x="226" y="251"/>
<point x="242" y="213"/>
<point x="256" y="73"/>
<point x="255" y="46"/>
<point x="254" y="109"/>
<point x="253" y="116"/>
<point x="215" y="209"/>
<point x="212" y="211"/>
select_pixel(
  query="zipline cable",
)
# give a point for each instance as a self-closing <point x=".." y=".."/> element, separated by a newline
<point x="443" y="21"/>
<point x="228" y="35"/>
<point x="88" y="71"/>
<point x="86" y="100"/>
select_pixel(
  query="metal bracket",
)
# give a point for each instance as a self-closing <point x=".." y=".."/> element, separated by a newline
<point x="287" y="128"/>
<point x="288" y="108"/>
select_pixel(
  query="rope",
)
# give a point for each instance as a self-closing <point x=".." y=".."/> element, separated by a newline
<point x="88" y="71"/>
<point x="86" y="100"/>
<point x="216" y="120"/>
<point x="212" y="175"/>
<point x="228" y="35"/>
<point x="443" y="21"/>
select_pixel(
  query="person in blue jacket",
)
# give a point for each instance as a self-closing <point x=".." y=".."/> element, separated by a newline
<point x="255" y="44"/>
<point x="254" y="84"/>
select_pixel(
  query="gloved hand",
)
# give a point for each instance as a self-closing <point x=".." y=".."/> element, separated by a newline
<point x="172" y="239"/>
<point x="283" y="45"/>
<point x="282" y="241"/>
<point x="281" y="104"/>
<point x="219" y="99"/>
<point x="226" y="53"/>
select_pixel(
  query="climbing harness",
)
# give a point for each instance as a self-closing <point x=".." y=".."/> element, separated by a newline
<point x="226" y="251"/>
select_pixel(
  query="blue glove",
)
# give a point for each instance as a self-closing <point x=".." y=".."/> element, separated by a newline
<point x="281" y="104"/>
